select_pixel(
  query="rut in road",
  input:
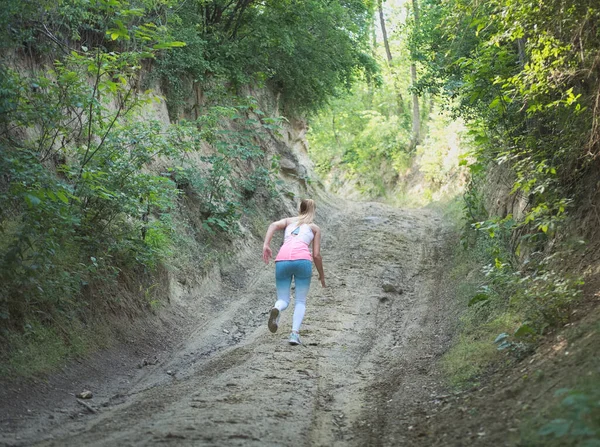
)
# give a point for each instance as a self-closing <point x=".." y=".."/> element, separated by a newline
<point x="369" y="342"/>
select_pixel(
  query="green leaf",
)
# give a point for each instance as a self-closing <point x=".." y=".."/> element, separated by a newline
<point x="32" y="200"/>
<point x="476" y="168"/>
<point x="167" y="45"/>
<point x="573" y="399"/>
<point x="524" y="330"/>
<point x="504" y="345"/>
<point x="503" y="336"/>
<point x="51" y="195"/>
<point x="561" y="391"/>
<point x="62" y="196"/>
<point x="557" y="427"/>
<point x="495" y="104"/>
<point x="478" y="298"/>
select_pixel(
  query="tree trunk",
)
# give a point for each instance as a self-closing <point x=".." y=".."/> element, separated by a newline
<point x="384" y="33"/>
<point x="416" y="115"/>
<point x="335" y="134"/>
<point x="388" y="52"/>
<point x="371" y="88"/>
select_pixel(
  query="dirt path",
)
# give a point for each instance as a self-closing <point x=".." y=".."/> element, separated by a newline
<point x="370" y="341"/>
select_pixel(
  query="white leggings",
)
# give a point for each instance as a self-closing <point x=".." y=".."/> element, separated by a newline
<point x="301" y="271"/>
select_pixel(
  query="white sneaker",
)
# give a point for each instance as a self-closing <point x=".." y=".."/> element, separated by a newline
<point x="273" y="320"/>
<point x="294" y="339"/>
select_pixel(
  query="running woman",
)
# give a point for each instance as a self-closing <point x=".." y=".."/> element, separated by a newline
<point x="294" y="260"/>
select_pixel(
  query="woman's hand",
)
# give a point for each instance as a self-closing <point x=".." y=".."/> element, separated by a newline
<point x="279" y="225"/>
<point x="322" y="279"/>
<point x="267" y="253"/>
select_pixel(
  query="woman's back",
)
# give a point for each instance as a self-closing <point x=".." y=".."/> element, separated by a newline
<point x="302" y="232"/>
<point x="295" y="243"/>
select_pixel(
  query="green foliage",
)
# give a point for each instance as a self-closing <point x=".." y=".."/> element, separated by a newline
<point x="80" y="199"/>
<point x="522" y="76"/>
<point x="304" y="50"/>
<point x="539" y="293"/>
<point x="360" y="136"/>
<point x="235" y="172"/>
<point x="507" y="305"/>
<point x="358" y="141"/>
<point x="527" y="86"/>
<point x="91" y="214"/>
<point x="572" y="420"/>
<point x="309" y="49"/>
<point x="363" y="140"/>
<point x="102" y="210"/>
<point x="92" y="191"/>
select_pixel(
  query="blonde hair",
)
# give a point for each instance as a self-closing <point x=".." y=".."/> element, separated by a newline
<point x="307" y="211"/>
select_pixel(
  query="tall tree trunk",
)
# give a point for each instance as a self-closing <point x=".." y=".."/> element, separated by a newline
<point x="388" y="52"/>
<point x="335" y="133"/>
<point x="384" y="33"/>
<point x="370" y="81"/>
<point x="416" y="115"/>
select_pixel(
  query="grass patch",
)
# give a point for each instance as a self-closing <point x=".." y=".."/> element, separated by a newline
<point x="475" y="350"/>
<point x="467" y="359"/>
<point x="42" y="348"/>
<point x="480" y="323"/>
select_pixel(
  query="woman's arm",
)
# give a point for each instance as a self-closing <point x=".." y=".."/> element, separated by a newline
<point x="318" y="260"/>
<point x="278" y="225"/>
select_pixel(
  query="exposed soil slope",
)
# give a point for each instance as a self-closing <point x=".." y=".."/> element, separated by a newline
<point x="370" y="343"/>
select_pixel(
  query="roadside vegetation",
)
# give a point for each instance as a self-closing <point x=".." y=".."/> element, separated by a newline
<point x="99" y="199"/>
<point x="523" y="77"/>
<point x="519" y="81"/>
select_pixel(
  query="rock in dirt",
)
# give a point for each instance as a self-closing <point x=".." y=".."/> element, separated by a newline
<point x="85" y="395"/>
<point x="288" y="166"/>
<point x="391" y="288"/>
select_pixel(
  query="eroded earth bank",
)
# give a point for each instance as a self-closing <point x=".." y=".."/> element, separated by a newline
<point x="370" y="344"/>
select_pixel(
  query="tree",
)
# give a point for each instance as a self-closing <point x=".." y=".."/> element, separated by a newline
<point x="384" y="32"/>
<point x="388" y="52"/>
<point x="416" y="114"/>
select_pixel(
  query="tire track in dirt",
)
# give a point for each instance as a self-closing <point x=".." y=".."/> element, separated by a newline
<point x="369" y="341"/>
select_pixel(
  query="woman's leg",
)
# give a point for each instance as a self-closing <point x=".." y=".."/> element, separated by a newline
<point x="302" y="277"/>
<point x="283" y="282"/>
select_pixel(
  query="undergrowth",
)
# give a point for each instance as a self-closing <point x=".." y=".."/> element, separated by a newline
<point x="88" y="221"/>
<point x="509" y="301"/>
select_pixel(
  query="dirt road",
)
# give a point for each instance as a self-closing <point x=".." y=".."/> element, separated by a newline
<point x="370" y="342"/>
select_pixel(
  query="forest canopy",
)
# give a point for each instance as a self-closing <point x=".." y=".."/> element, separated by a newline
<point x="304" y="49"/>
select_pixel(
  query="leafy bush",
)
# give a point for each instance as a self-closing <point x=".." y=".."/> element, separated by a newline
<point x="80" y="199"/>
<point x="508" y="304"/>
<point x="367" y="145"/>
<point x="102" y="209"/>
<point x="304" y="50"/>
<point x="572" y="420"/>
<point x="515" y="72"/>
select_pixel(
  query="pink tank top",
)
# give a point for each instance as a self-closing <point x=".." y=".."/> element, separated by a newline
<point x="296" y="240"/>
